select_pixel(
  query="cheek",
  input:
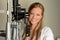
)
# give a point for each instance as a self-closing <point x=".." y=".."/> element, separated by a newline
<point x="39" y="18"/>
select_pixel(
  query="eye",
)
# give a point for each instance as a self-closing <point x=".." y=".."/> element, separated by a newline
<point x="38" y="14"/>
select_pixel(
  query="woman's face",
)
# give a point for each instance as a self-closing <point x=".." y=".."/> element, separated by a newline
<point x="35" y="15"/>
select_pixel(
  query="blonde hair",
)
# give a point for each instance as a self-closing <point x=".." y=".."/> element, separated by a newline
<point x="39" y="27"/>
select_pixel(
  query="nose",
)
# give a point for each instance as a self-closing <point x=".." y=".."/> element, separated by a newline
<point x="34" y="16"/>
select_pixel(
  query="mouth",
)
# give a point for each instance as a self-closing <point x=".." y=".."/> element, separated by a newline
<point x="33" y="20"/>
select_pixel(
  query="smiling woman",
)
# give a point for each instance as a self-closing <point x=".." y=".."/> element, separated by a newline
<point x="37" y="30"/>
<point x="35" y="15"/>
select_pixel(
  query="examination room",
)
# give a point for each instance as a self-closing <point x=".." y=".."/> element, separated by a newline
<point x="29" y="19"/>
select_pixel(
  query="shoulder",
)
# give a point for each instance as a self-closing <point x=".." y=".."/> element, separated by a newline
<point x="47" y="29"/>
<point x="47" y="33"/>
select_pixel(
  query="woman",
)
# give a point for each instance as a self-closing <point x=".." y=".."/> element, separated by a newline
<point x="37" y="30"/>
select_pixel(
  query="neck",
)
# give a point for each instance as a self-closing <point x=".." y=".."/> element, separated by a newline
<point x="33" y="26"/>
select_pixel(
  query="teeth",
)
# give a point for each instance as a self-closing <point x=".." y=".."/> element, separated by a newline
<point x="32" y="20"/>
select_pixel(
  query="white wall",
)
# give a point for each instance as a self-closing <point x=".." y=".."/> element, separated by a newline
<point x="52" y="13"/>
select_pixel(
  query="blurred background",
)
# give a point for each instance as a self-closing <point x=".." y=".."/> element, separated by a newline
<point x="51" y="14"/>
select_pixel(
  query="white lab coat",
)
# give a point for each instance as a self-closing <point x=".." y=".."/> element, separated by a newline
<point x="47" y="34"/>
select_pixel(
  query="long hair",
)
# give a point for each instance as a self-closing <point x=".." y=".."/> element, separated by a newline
<point x="39" y="27"/>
